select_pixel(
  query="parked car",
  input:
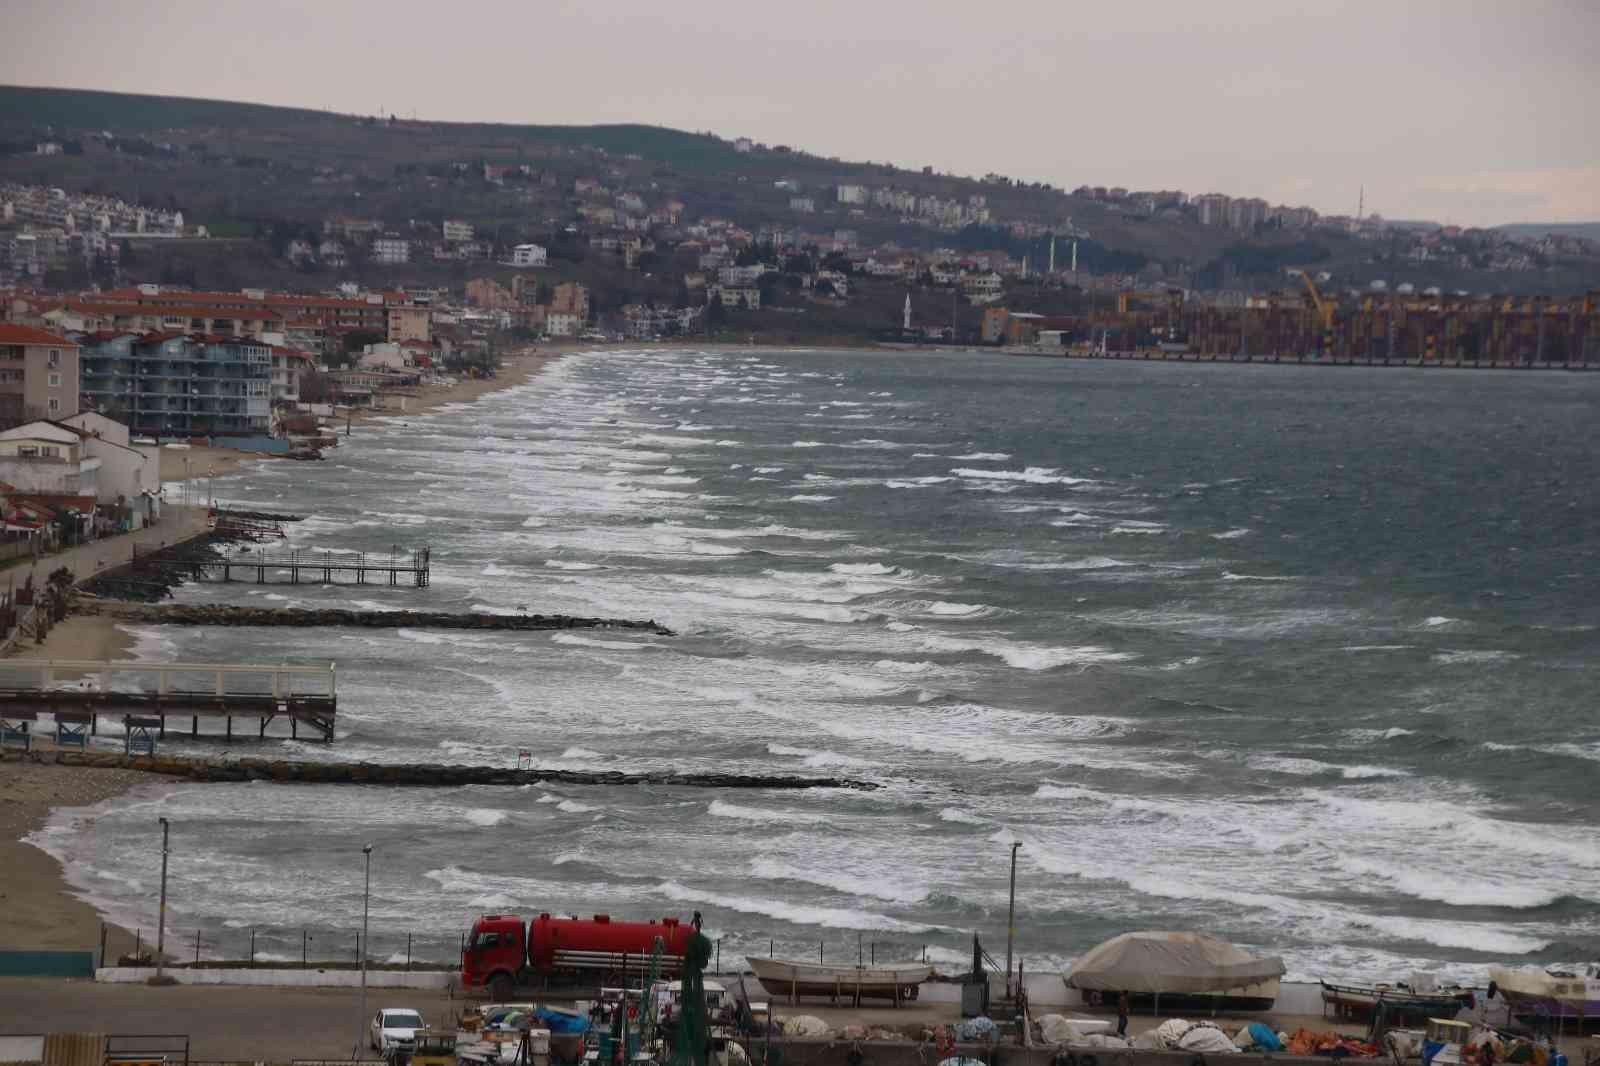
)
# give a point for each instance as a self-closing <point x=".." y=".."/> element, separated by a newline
<point x="395" y="1027"/>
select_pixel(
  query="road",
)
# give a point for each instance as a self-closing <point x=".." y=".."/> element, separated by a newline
<point x="254" y="1024"/>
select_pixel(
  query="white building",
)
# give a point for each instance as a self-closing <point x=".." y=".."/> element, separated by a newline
<point x="456" y="230"/>
<point x="851" y="194"/>
<point x="391" y="248"/>
<point x="803" y="204"/>
<point x="130" y="471"/>
<point x="46" y="457"/>
<point x="529" y="255"/>
<point x="562" y="324"/>
<point x="735" y="297"/>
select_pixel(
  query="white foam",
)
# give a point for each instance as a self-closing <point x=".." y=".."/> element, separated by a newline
<point x="591" y="642"/>
<point x="1229" y="575"/>
<point x="808" y="498"/>
<point x="574" y="807"/>
<point x="1024" y="656"/>
<point x="960" y="817"/>
<point x="723" y="809"/>
<point x="1232" y="534"/>
<point x="1456" y="658"/>
<point x="889" y="886"/>
<point x="484" y="817"/>
<point x="982" y="457"/>
<point x="1035" y="475"/>
<point x="563" y="564"/>
<point x="958" y="610"/>
<point x="799" y="914"/>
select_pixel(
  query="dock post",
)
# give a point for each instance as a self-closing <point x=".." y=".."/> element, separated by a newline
<point x="228" y="735"/>
<point x="294" y="728"/>
<point x="194" y="726"/>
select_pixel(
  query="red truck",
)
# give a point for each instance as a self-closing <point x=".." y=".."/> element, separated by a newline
<point x="504" y="954"/>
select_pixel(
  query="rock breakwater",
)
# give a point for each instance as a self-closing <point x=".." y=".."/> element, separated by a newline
<point x="213" y="615"/>
<point x="421" y="775"/>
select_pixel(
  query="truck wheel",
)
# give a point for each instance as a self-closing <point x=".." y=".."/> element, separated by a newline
<point x="500" y="988"/>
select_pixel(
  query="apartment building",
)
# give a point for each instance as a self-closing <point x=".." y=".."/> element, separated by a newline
<point x="165" y="384"/>
<point x="572" y="299"/>
<point x="38" y="374"/>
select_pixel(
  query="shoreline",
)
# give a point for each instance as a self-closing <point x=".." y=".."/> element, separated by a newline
<point x="518" y="368"/>
<point x="39" y="908"/>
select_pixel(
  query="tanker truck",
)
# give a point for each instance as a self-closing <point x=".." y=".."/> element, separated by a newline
<point x="507" y="956"/>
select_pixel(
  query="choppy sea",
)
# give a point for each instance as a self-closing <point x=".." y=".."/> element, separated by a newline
<point x="1301" y="657"/>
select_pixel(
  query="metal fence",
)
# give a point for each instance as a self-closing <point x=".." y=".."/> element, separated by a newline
<point x="275" y="947"/>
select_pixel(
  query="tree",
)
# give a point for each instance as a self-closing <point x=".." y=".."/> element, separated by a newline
<point x="716" y="314"/>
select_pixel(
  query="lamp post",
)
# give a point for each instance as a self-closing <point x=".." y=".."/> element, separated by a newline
<point x="161" y="919"/>
<point x="366" y="899"/>
<point x="1011" y="914"/>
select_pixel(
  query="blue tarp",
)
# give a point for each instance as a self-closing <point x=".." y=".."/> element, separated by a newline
<point x="1263" y="1038"/>
<point x="560" y="1022"/>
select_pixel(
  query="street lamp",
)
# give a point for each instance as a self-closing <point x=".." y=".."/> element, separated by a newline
<point x="1011" y="914"/>
<point x="161" y="920"/>
<point x="366" y="899"/>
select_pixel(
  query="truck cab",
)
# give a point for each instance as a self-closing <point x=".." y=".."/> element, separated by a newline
<point x="496" y="954"/>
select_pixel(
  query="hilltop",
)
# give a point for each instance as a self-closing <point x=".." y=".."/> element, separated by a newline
<point x="270" y="175"/>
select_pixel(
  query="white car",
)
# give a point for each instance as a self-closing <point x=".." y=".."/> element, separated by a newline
<point x="395" y="1027"/>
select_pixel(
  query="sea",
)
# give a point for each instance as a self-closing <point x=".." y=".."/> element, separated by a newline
<point x="1304" y="658"/>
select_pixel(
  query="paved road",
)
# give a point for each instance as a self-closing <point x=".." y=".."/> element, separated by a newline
<point x="222" y="1023"/>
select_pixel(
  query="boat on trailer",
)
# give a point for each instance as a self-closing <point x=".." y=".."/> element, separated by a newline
<point x="1397" y="1001"/>
<point x="897" y="981"/>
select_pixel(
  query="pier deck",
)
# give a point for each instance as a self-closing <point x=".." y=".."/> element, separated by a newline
<point x="299" y="567"/>
<point x="78" y="692"/>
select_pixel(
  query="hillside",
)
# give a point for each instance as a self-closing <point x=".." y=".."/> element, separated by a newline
<point x="274" y="173"/>
<point x="1589" y="231"/>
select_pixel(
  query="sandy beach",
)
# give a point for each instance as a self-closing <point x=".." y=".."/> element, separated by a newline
<point x="516" y="369"/>
<point x="37" y="907"/>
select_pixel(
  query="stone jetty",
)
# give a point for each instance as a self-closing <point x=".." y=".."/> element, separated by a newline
<point x="217" y="615"/>
<point x="423" y="775"/>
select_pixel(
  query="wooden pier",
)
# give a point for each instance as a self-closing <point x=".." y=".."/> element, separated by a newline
<point x="78" y="692"/>
<point x="298" y="567"/>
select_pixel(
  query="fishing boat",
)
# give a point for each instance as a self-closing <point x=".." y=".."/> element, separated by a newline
<point x="897" y="981"/>
<point x="1558" y="993"/>
<point x="1179" y="970"/>
<point x="1399" y="1001"/>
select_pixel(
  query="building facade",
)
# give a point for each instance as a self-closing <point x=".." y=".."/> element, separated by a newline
<point x="39" y="374"/>
<point x="166" y="385"/>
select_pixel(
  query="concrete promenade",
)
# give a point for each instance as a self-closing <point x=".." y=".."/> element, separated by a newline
<point x="177" y="523"/>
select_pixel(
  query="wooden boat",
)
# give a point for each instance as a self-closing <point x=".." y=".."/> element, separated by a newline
<point x="1359" y="1001"/>
<point x="1553" y="992"/>
<point x="898" y="981"/>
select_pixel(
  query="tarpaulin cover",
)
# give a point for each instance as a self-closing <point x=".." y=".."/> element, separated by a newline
<point x="1169" y="962"/>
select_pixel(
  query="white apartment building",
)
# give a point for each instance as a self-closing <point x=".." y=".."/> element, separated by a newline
<point x="529" y="255"/>
<point x="391" y="248"/>
<point x="456" y="230"/>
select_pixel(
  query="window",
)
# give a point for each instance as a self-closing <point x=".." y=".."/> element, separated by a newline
<point x="55" y="405"/>
<point x="487" y="940"/>
<point x="55" y="381"/>
<point x="55" y="357"/>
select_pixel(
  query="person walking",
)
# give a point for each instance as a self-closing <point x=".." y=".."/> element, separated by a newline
<point x="1122" y="1016"/>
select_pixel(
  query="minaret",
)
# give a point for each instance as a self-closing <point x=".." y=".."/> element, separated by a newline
<point x="1052" y="253"/>
<point x="906" y="324"/>
<point x="1074" y="257"/>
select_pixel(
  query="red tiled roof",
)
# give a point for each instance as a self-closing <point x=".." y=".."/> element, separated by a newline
<point x="168" y="309"/>
<point x="12" y="333"/>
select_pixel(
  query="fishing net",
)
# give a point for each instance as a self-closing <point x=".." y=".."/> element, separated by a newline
<point x="691" y="1045"/>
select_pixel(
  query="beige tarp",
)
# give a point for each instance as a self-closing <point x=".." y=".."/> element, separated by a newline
<point x="1169" y="962"/>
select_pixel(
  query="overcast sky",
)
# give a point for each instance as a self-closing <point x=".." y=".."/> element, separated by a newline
<point x="1465" y="111"/>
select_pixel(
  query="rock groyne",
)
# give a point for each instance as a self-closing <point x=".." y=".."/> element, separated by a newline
<point x="212" y="615"/>
<point x="419" y="775"/>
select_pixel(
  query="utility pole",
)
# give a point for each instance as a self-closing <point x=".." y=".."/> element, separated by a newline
<point x="366" y="900"/>
<point x="161" y="920"/>
<point x="1011" y="915"/>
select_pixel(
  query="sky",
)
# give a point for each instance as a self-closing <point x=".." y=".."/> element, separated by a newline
<point x="1472" y="112"/>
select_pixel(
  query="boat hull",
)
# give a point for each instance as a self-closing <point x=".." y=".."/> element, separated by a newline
<point x="795" y="979"/>
<point x="1532" y="992"/>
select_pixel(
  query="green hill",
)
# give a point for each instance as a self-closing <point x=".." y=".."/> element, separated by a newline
<point x="87" y="110"/>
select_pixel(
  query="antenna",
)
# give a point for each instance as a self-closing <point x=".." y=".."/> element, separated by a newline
<point x="1361" y="203"/>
